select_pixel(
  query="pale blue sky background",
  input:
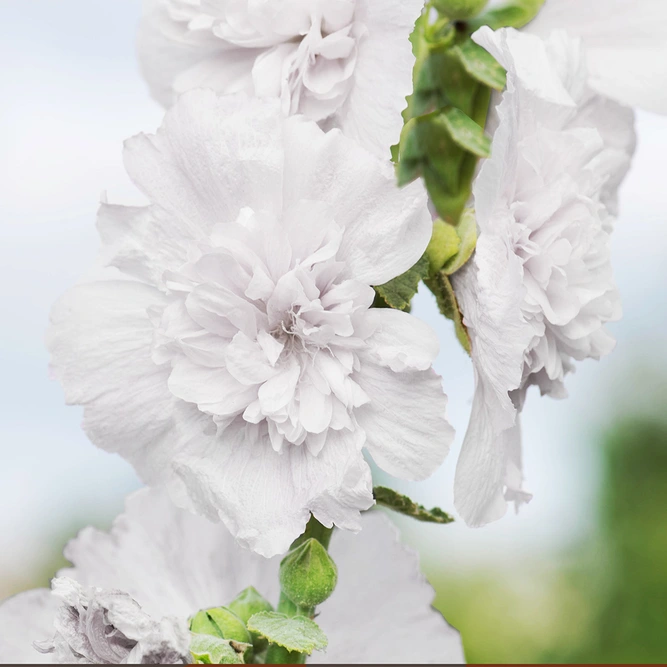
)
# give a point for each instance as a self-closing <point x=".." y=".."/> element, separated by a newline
<point x="71" y="93"/>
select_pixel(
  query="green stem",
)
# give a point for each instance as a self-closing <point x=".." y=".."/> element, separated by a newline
<point x="314" y="529"/>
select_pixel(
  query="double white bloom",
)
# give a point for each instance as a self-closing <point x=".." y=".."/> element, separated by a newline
<point x="540" y="287"/>
<point x="346" y="63"/>
<point x="132" y="590"/>
<point x="234" y="356"/>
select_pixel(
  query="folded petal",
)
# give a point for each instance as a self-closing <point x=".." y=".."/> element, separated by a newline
<point x="407" y="432"/>
<point x="400" y="340"/>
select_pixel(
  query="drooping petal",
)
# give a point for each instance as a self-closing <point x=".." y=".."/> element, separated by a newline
<point x="488" y="472"/>
<point x="386" y="229"/>
<point x="407" y="432"/>
<point x="24" y="619"/>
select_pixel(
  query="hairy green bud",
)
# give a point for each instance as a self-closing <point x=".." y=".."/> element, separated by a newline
<point x="308" y="575"/>
<point x="460" y="10"/>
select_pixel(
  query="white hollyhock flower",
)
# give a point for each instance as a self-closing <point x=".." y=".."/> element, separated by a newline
<point x="175" y="563"/>
<point x="540" y="287"/>
<point x="347" y="63"/>
<point x="237" y="359"/>
<point x="625" y="46"/>
<point x="96" y="626"/>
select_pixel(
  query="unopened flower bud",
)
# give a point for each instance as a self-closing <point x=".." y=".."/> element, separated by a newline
<point x="247" y="603"/>
<point x="308" y="575"/>
<point x="220" y="622"/>
<point x="444" y="244"/>
<point x="459" y="10"/>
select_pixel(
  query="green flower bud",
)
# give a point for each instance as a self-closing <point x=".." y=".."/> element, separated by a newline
<point x="247" y="603"/>
<point x="444" y="244"/>
<point x="224" y="623"/>
<point x="220" y="622"/>
<point x="308" y="575"/>
<point x="459" y="10"/>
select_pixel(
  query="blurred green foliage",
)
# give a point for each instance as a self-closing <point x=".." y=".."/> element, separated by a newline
<point x="603" y="601"/>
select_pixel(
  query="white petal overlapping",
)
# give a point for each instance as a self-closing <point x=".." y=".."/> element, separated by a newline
<point x="244" y="322"/>
<point x="539" y="288"/>
<point x="624" y="43"/>
<point x="167" y="562"/>
<point x="345" y="63"/>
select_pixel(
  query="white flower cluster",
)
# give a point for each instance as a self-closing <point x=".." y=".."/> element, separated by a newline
<point x="232" y="349"/>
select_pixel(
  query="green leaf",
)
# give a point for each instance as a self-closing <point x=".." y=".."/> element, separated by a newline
<point x="514" y="13"/>
<point x="404" y="505"/>
<point x="296" y="633"/>
<point x="398" y="292"/>
<point x="465" y="132"/>
<point x="449" y="307"/>
<point x="481" y="65"/>
<point x="467" y="234"/>
<point x="209" y="650"/>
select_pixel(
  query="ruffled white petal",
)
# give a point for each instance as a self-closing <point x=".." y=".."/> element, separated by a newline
<point x="625" y="45"/>
<point x="265" y="498"/>
<point x="370" y="566"/>
<point x="24" y="619"/>
<point x="100" y="343"/>
<point x="386" y="229"/>
<point x="383" y="76"/>
<point x="407" y="432"/>
<point x="211" y="157"/>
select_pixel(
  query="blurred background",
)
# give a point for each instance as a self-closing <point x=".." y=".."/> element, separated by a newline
<point x="580" y="575"/>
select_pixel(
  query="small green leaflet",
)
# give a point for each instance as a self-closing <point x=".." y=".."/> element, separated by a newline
<point x="467" y="233"/>
<point x="295" y="633"/>
<point x="404" y="505"/>
<point x="465" y="132"/>
<point x="514" y="13"/>
<point x="209" y="650"/>
<point x="446" y="299"/>
<point x="398" y="292"/>
<point x="481" y="65"/>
